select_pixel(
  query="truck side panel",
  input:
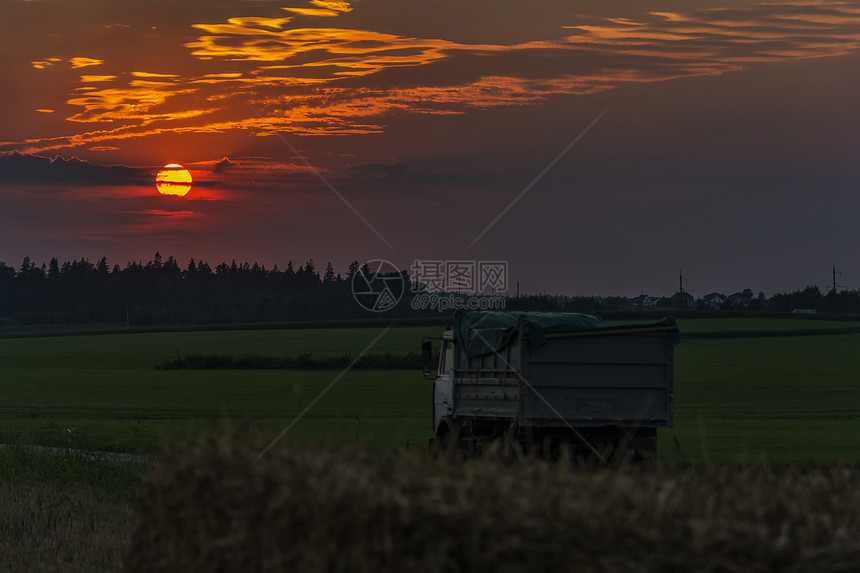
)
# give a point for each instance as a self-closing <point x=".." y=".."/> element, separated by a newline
<point x="581" y="379"/>
<point x="488" y="398"/>
<point x="603" y="379"/>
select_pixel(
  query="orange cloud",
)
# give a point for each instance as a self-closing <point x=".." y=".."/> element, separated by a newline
<point x="46" y="63"/>
<point x="152" y="75"/>
<point x="217" y="78"/>
<point x="329" y="5"/>
<point x="718" y="39"/>
<point x="77" y="62"/>
<point x="324" y="81"/>
<point x="313" y="12"/>
<point x="349" y="52"/>
<point x="123" y="104"/>
<point x="80" y="62"/>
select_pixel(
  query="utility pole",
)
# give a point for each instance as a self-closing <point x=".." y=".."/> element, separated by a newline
<point x="681" y="290"/>
<point x="833" y="290"/>
<point x="681" y="280"/>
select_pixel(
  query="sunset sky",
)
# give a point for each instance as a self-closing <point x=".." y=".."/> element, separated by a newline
<point x="597" y="147"/>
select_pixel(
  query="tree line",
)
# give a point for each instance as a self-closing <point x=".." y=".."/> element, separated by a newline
<point x="161" y="292"/>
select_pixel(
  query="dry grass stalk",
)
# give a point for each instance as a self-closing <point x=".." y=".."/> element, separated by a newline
<point x="208" y="507"/>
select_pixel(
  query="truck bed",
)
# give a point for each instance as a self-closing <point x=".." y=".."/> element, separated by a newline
<point x="612" y="376"/>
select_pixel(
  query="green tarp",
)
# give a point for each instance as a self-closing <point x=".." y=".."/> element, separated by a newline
<point x="483" y="332"/>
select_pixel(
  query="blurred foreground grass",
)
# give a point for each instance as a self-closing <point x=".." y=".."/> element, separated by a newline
<point x="212" y="504"/>
<point x="64" y="511"/>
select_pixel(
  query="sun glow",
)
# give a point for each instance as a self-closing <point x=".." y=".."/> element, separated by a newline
<point x="173" y="180"/>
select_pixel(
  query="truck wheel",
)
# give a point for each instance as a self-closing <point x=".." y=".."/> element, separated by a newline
<point x="646" y="451"/>
<point x="442" y="445"/>
<point x="447" y="442"/>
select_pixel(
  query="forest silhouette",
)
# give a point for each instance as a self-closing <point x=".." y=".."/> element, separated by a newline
<point x="161" y="292"/>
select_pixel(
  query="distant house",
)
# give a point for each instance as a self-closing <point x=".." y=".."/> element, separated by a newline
<point x="741" y="299"/>
<point x="713" y="301"/>
<point x="682" y="300"/>
<point x="644" y="301"/>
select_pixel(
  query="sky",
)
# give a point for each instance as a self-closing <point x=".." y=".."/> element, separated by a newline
<point x="595" y="147"/>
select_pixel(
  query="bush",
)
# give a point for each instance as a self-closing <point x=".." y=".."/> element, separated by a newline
<point x="408" y="361"/>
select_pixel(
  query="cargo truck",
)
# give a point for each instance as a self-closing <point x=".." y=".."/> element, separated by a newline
<point x="548" y="382"/>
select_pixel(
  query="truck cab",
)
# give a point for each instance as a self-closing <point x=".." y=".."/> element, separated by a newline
<point x="443" y="383"/>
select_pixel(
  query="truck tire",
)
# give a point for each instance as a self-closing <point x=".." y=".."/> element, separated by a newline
<point x="646" y="451"/>
<point x="442" y="444"/>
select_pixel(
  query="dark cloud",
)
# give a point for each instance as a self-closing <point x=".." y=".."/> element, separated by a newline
<point x="224" y="165"/>
<point x="16" y="167"/>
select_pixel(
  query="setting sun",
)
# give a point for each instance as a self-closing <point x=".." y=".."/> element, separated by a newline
<point x="173" y="180"/>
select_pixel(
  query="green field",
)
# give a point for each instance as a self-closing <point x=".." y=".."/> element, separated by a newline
<point x="103" y="391"/>
<point x="782" y="398"/>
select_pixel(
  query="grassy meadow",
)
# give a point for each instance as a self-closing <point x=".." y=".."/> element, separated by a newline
<point x="65" y="511"/>
<point x="104" y="392"/>
<point x="782" y="398"/>
<point x="747" y="391"/>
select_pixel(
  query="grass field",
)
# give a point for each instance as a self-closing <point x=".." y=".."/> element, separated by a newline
<point x="65" y="512"/>
<point x="103" y="391"/>
<point x="783" y="398"/>
<point x="786" y="399"/>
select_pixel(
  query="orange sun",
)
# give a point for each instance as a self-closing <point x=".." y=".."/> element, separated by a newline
<point x="173" y="180"/>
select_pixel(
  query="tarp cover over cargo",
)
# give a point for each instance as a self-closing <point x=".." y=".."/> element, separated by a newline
<point x="483" y="332"/>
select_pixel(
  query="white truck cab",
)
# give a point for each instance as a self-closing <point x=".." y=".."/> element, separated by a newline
<point x="443" y="382"/>
<point x="443" y="386"/>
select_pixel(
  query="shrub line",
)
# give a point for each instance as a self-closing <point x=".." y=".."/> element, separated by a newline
<point x="304" y="360"/>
